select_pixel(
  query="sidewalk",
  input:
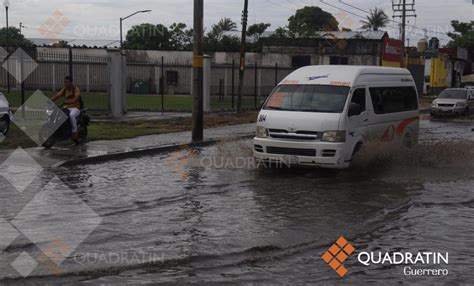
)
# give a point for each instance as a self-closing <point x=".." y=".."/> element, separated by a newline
<point x="101" y="151"/>
<point x="145" y="115"/>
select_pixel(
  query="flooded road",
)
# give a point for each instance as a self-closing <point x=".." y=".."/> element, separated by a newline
<point x="210" y="215"/>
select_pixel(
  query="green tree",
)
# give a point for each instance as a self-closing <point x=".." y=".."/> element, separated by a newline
<point x="281" y="33"/>
<point x="310" y="20"/>
<point x="463" y="35"/>
<point x="224" y="25"/>
<point x="256" y="30"/>
<point x="149" y="37"/>
<point x="376" y="20"/>
<point x="15" y="38"/>
<point x="181" y="37"/>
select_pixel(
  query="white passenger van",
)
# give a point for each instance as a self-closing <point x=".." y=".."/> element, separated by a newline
<point x="321" y="115"/>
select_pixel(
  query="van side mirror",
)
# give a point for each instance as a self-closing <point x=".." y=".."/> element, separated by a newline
<point x="262" y="102"/>
<point x="354" y="109"/>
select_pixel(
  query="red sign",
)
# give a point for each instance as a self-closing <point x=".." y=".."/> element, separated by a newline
<point x="391" y="50"/>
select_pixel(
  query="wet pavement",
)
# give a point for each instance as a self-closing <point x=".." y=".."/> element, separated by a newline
<point x="61" y="153"/>
<point x="211" y="215"/>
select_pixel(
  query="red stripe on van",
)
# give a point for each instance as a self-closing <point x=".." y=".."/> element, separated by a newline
<point x="401" y="128"/>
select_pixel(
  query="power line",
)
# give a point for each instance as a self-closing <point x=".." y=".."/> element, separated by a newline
<point x="396" y="22"/>
<point x="279" y="5"/>
<point x="403" y="10"/>
<point x="342" y="9"/>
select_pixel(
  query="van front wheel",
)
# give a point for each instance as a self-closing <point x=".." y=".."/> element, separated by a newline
<point x="356" y="149"/>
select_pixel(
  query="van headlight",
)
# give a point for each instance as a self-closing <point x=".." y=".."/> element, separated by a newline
<point x="261" y="132"/>
<point x="334" y="136"/>
<point x="434" y="104"/>
<point x="460" y="104"/>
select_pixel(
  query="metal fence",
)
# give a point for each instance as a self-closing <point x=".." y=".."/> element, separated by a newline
<point x="170" y="83"/>
<point x="160" y="85"/>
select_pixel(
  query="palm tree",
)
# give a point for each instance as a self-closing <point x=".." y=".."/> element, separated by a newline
<point x="224" y="25"/>
<point x="377" y="19"/>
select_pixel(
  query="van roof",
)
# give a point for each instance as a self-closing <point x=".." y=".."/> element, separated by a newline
<point x="338" y="74"/>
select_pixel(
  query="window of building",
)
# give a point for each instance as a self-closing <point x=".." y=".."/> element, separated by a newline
<point x="300" y="61"/>
<point x="337" y="60"/>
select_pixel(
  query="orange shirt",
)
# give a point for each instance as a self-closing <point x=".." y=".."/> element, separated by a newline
<point x="70" y="94"/>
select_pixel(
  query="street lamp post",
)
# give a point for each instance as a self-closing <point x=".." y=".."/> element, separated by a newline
<point x="7" y="5"/>
<point x="121" y="25"/>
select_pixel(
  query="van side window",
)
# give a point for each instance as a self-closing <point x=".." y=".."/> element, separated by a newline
<point x="359" y="97"/>
<point x="393" y="99"/>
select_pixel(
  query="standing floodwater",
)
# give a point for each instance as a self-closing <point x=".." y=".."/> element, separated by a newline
<point x="209" y="215"/>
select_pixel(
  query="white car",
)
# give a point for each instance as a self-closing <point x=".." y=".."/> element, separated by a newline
<point x="5" y="115"/>
<point x="453" y="101"/>
<point x="321" y="115"/>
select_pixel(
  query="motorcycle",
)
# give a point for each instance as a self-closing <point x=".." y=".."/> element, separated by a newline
<point x="50" y="135"/>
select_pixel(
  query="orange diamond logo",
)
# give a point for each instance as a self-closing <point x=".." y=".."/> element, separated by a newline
<point x="337" y="254"/>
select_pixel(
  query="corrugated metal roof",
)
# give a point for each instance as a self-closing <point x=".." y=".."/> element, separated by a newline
<point x="370" y="35"/>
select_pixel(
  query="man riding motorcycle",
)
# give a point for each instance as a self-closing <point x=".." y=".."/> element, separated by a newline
<point x="72" y="102"/>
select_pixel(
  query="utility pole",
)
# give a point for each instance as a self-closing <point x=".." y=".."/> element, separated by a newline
<point x="403" y="9"/>
<point x="242" y="55"/>
<point x="7" y="5"/>
<point x="198" y="53"/>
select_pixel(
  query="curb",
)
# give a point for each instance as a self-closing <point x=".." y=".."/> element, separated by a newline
<point x="143" y="152"/>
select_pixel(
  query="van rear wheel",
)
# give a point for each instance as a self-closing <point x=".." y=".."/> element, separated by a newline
<point x="408" y="141"/>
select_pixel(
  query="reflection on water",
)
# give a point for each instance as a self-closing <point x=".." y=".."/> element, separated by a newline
<point x="171" y="219"/>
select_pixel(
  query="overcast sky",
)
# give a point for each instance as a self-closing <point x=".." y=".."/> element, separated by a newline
<point x="99" y="19"/>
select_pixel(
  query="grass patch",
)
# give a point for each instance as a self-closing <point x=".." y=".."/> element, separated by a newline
<point x="132" y="129"/>
<point x="16" y="138"/>
<point x="100" y="101"/>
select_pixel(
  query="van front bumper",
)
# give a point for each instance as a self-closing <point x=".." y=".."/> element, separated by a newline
<point x="298" y="153"/>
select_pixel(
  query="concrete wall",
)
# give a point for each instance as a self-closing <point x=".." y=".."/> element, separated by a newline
<point x="91" y="69"/>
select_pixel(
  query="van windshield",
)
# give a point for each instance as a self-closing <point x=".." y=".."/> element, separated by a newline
<point x="308" y="98"/>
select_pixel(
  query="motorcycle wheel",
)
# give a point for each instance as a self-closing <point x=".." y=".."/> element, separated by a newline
<point x="82" y="139"/>
<point x="47" y="142"/>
